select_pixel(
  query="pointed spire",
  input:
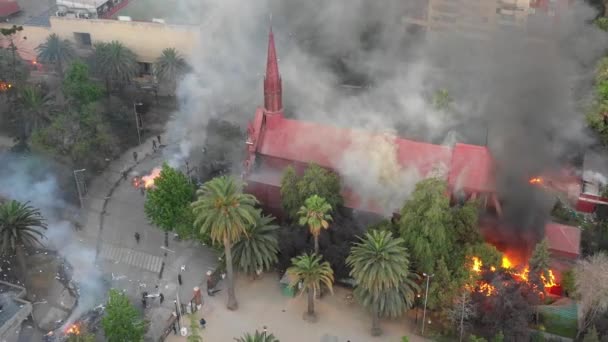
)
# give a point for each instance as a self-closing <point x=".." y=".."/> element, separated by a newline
<point x="272" y="81"/>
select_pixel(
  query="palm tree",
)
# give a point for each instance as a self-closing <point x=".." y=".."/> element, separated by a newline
<point x="20" y="226"/>
<point x="312" y="273"/>
<point x="116" y="63"/>
<point x="33" y="104"/>
<point x="314" y="213"/>
<point x="56" y="51"/>
<point x="170" y="66"/>
<point x="257" y="250"/>
<point x="257" y="337"/>
<point x="380" y="266"/>
<point x="224" y="212"/>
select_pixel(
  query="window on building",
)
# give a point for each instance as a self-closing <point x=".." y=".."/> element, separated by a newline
<point x="145" y="68"/>
<point x="82" y="39"/>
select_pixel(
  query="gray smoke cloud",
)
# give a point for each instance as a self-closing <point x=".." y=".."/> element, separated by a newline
<point x="30" y="179"/>
<point x="520" y="93"/>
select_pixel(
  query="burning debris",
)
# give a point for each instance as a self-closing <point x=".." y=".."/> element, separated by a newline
<point x="5" y="86"/>
<point x="519" y="273"/>
<point x="89" y="322"/>
<point x="73" y="329"/>
<point x="147" y="181"/>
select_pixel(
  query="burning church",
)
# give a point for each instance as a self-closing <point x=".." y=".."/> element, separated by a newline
<point x="275" y="142"/>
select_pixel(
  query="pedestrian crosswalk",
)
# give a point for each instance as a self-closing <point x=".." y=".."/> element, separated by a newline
<point x="130" y="257"/>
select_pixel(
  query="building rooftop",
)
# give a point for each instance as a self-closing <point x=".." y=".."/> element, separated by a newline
<point x="32" y="13"/>
<point x="172" y="12"/>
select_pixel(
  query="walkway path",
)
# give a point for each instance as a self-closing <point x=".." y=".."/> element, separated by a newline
<point x="262" y="304"/>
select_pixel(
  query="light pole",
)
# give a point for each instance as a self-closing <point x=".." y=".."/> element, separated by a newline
<point x="426" y="298"/>
<point x="265" y="330"/>
<point x="135" y="104"/>
<point x="81" y="186"/>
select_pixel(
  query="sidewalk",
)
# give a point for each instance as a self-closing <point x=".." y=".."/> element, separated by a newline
<point x="262" y="304"/>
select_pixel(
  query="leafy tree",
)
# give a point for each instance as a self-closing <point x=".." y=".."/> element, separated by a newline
<point x="488" y="254"/>
<point x="121" y="321"/>
<point x="170" y="66"/>
<point x="257" y="249"/>
<point x="79" y="87"/>
<point x="539" y="264"/>
<point x="568" y="282"/>
<point x="499" y="337"/>
<point x="314" y="214"/>
<point x="34" y="109"/>
<point x="461" y="312"/>
<point x="308" y="270"/>
<point x="223" y="211"/>
<point x="194" y="330"/>
<point x="290" y="197"/>
<point x="380" y="267"/>
<point x="465" y="224"/>
<point x="442" y="99"/>
<point x="21" y="228"/>
<point x="591" y="335"/>
<point x="443" y="287"/>
<point x="56" y="51"/>
<point x="425" y="224"/>
<point x="591" y="279"/>
<point x="10" y="62"/>
<point x="257" y="337"/>
<point x="116" y="63"/>
<point x="315" y="181"/>
<point x="82" y="136"/>
<point x="168" y="202"/>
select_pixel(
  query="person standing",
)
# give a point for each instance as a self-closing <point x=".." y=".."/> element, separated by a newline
<point x="158" y="137"/>
<point x="162" y="298"/>
<point x="135" y="156"/>
<point x="179" y="279"/>
<point x="137" y="237"/>
<point x="153" y="145"/>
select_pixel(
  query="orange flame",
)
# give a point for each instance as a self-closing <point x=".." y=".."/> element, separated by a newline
<point x="549" y="283"/>
<point x="536" y="180"/>
<point x="476" y="264"/>
<point x="5" y="86"/>
<point x="73" y="329"/>
<point x="148" y="181"/>
<point x="506" y="263"/>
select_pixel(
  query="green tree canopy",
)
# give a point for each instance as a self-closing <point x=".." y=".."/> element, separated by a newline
<point x="34" y="109"/>
<point x="314" y="214"/>
<point x="465" y="224"/>
<point x="56" y="51"/>
<point x="121" y="321"/>
<point x="170" y="66"/>
<point x="539" y="264"/>
<point x="224" y="212"/>
<point x="425" y="224"/>
<point x="79" y="87"/>
<point x="315" y="181"/>
<point x="168" y="202"/>
<point x="308" y="270"/>
<point x="380" y="266"/>
<point x="257" y="250"/>
<point x="115" y="63"/>
<point x="258" y="337"/>
<point x="82" y="136"/>
<point x="442" y="99"/>
<point x="21" y="227"/>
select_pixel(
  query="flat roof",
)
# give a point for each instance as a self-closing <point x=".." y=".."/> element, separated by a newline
<point x="172" y="12"/>
<point x="33" y="13"/>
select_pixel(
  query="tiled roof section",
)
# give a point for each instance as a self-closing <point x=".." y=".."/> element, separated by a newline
<point x="472" y="168"/>
<point x="562" y="238"/>
<point x="8" y="7"/>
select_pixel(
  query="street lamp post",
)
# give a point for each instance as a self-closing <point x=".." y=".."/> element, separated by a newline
<point x="426" y="298"/>
<point x="81" y="187"/>
<point x="265" y="330"/>
<point x="135" y="104"/>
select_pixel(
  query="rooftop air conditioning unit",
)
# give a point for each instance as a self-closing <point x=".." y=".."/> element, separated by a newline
<point x="156" y="20"/>
<point x="124" y="18"/>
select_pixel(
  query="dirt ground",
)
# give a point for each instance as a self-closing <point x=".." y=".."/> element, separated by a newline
<point x="261" y="303"/>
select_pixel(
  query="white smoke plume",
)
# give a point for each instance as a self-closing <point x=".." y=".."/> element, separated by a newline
<point x="512" y="90"/>
<point x="29" y="179"/>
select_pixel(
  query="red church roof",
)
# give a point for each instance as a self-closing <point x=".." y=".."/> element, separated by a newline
<point x="8" y="7"/>
<point x="562" y="238"/>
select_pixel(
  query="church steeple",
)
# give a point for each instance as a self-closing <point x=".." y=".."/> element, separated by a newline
<point x="272" y="81"/>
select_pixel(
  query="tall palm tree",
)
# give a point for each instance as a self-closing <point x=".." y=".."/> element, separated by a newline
<point x="33" y="108"/>
<point x="20" y="228"/>
<point x="312" y="273"/>
<point x="380" y="266"/>
<point x="116" y="63"/>
<point x="224" y="212"/>
<point x="257" y="337"/>
<point x="56" y="51"/>
<point x="257" y="249"/>
<point x="314" y="213"/>
<point x="170" y="66"/>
